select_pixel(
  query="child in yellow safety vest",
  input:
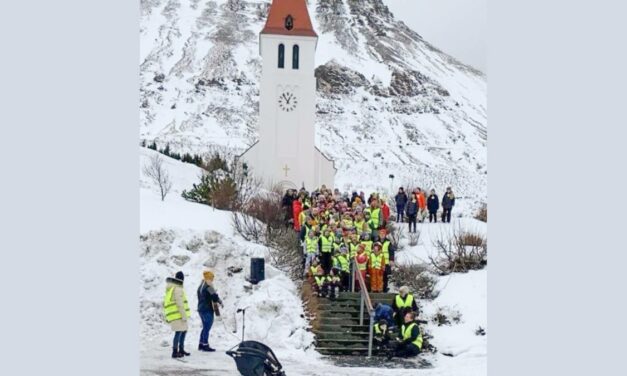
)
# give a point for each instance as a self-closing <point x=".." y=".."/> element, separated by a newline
<point x="341" y="261"/>
<point x="311" y="248"/>
<point x="320" y="282"/>
<point x="333" y="284"/>
<point x="377" y="267"/>
<point x="361" y="258"/>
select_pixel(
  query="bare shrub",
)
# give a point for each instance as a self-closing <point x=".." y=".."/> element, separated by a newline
<point x="446" y="316"/>
<point x="262" y="220"/>
<point x="396" y="234"/>
<point x="286" y="253"/>
<point x="461" y="252"/>
<point x="248" y="227"/>
<point x="482" y="213"/>
<point x="418" y="278"/>
<point x="414" y="238"/>
<point x="157" y="172"/>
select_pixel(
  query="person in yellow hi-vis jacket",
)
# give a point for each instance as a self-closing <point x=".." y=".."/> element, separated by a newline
<point x="176" y="312"/>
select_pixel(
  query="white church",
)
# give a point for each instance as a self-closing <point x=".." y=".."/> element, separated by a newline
<point x="285" y="152"/>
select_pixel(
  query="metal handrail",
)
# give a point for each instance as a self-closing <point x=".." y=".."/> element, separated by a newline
<point x="364" y="298"/>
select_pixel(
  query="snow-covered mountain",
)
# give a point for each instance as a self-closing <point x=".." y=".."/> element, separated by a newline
<point x="387" y="100"/>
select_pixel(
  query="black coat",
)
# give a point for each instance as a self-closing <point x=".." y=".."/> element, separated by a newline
<point x="401" y="200"/>
<point x="433" y="203"/>
<point x="412" y="208"/>
<point x="206" y="295"/>
<point x="448" y="201"/>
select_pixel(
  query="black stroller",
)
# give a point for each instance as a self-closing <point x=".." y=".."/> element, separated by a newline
<point x="255" y="359"/>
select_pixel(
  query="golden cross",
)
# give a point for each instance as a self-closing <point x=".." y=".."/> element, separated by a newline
<point x="286" y="169"/>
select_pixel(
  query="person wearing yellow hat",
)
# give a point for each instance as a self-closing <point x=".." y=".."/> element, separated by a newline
<point x="207" y="296"/>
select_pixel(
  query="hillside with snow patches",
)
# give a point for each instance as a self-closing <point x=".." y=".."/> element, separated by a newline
<point x="387" y="100"/>
<point x="180" y="235"/>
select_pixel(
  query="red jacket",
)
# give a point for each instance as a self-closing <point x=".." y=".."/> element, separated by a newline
<point x="385" y="209"/>
<point x="297" y="207"/>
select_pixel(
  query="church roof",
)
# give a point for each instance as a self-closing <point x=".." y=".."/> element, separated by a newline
<point x="280" y="10"/>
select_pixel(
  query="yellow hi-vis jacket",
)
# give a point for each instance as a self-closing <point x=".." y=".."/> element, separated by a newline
<point x="406" y="332"/>
<point x="409" y="299"/>
<point x="170" y="310"/>
<point x="312" y="244"/>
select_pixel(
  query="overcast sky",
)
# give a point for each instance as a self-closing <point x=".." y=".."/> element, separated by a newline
<point x="457" y="27"/>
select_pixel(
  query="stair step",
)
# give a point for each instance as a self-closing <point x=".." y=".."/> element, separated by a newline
<point x="326" y="332"/>
<point x="346" y="325"/>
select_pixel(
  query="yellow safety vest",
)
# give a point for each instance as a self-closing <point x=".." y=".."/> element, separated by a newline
<point x="377" y="330"/>
<point x="170" y="310"/>
<point x="327" y="244"/>
<point x="386" y="251"/>
<point x="359" y="225"/>
<point x="368" y="245"/>
<point x="409" y="299"/>
<point x="320" y="280"/>
<point x="376" y="261"/>
<point x="374" y="216"/>
<point x="343" y="262"/>
<point x="353" y="249"/>
<point x="406" y="331"/>
<point x="312" y="245"/>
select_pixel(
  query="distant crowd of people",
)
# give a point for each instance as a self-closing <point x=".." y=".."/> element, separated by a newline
<point x="417" y="207"/>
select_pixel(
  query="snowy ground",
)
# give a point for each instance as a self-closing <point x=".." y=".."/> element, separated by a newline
<point x="178" y="235"/>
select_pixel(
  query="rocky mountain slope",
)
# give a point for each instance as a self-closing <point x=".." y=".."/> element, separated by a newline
<point x="387" y="100"/>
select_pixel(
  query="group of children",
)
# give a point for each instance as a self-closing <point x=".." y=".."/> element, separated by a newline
<point x="336" y="229"/>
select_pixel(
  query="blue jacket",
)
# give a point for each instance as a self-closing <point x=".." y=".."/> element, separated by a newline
<point x="384" y="311"/>
<point x="433" y="203"/>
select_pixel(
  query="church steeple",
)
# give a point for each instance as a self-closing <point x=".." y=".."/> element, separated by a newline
<point x="289" y="17"/>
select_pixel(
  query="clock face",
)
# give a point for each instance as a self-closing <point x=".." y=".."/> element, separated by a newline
<point x="287" y="101"/>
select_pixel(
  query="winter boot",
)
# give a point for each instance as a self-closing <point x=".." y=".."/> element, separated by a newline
<point x="209" y="348"/>
<point x="176" y="354"/>
<point x="183" y="353"/>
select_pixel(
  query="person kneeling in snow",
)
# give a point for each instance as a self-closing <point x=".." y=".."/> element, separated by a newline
<point x="409" y="340"/>
<point x="381" y="334"/>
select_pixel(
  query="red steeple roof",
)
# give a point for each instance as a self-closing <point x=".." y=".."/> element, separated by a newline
<point x="279" y="12"/>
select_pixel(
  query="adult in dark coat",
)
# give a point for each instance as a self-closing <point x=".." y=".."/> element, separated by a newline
<point x="448" y="201"/>
<point x="412" y="212"/>
<point x="433" y="204"/>
<point x="207" y="295"/>
<point x="401" y="202"/>
<point x="286" y="203"/>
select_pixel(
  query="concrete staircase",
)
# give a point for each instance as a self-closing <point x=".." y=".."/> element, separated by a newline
<point x="338" y="331"/>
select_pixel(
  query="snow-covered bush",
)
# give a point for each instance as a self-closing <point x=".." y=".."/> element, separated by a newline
<point x="461" y="252"/>
<point x="418" y="278"/>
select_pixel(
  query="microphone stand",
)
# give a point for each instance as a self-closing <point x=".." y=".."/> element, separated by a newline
<point x="243" y="310"/>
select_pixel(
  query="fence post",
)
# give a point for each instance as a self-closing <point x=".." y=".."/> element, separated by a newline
<point x="361" y="309"/>
<point x="370" y="335"/>
<point x="352" y="276"/>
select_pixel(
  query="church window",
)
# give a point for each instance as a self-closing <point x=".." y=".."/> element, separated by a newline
<point x="295" y="57"/>
<point x="281" y="56"/>
<point x="289" y="22"/>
